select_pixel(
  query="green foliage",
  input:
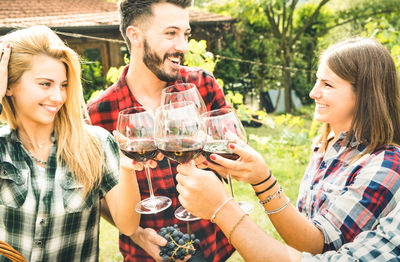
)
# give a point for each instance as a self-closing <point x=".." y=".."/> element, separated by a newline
<point x="92" y="78"/>
<point x="386" y="30"/>
<point x="198" y="56"/>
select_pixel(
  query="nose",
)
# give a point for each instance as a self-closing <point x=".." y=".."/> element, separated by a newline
<point x="315" y="93"/>
<point x="56" y="94"/>
<point x="181" y="44"/>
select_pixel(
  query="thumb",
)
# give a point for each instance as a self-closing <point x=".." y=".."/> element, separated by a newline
<point x="157" y="239"/>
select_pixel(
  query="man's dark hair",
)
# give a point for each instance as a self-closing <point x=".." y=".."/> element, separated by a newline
<point x="135" y="12"/>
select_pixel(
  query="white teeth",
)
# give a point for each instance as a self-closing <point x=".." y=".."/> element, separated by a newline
<point x="174" y="60"/>
<point x="50" y="108"/>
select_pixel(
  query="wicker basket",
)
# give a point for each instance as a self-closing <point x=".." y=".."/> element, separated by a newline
<point x="10" y="253"/>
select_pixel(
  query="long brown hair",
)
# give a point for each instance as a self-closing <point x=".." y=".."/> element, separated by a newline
<point x="80" y="151"/>
<point x="369" y="67"/>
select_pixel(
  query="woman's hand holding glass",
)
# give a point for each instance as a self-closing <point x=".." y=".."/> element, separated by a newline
<point x="224" y="127"/>
<point x="250" y="168"/>
<point x="179" y="135"/>
<point x="200" y="191"/>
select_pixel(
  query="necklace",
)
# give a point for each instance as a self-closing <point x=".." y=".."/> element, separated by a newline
<point x="40" y="145"/>
<point x="40" y="161"/>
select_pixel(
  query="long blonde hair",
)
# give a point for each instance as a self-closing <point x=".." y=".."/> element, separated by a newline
<point x="79" y="150"/>
<point x="369" y="67"/>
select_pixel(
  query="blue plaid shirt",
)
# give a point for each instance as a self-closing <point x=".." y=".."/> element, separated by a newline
<point x="382" y="244"/>
<point x="343" y="197"/>
<point x="42" y="213"/>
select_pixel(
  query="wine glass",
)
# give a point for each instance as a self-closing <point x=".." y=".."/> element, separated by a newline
<point x="183" y="92"/>
<point x="179" y="135"/>
<point x="135" y="128"/>
<point x="224" y="127"/>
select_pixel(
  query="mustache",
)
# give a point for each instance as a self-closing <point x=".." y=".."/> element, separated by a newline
<point x="176" y="54"/>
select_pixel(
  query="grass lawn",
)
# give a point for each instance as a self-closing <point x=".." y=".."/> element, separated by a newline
<point x="284" y="148"/>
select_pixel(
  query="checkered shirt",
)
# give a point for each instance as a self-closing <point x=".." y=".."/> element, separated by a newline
<point x="382" y="244"/>
<point x="104" y="112"/>
<point x="42" y="214"/>
<point x="344" y="197"/>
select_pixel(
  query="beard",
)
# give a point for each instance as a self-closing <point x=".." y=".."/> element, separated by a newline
<point x="154" y="63"/>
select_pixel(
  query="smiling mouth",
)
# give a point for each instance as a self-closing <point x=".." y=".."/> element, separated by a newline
<point x="175" y="58"/>
<point x="49" y="108"/>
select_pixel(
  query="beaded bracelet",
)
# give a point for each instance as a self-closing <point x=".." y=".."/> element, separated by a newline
<point x="268" y="188"/>
<point x="269" y="198"/>
<point x="218" y="209"/>
<point x="234" y="227"/>
<point x="277" y="210"/>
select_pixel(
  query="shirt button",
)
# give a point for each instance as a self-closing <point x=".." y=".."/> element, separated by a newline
<point x="38" y="242"/>
<point x="41" y="222"/>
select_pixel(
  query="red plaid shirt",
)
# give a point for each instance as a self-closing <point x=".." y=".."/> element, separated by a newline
<point x="104" y="111"/>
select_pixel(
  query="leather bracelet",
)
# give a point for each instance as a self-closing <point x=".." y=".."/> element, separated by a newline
<point x="219" y="208"/>
<point x="277" y="210"/>
<point x="269" y="198"/>
<point x="234" y="228"/>
<point x="265" y="180"/>
<point x="268" y="188"/>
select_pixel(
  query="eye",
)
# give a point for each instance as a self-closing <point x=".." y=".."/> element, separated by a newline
<point x="64" y="86"/>
<point x="188" y="35"/>
<point x="327" y="85"/>
<point x="45" y="84"/>
<point x="170" y="34"/>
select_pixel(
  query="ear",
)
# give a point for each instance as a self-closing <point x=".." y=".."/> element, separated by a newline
<point x="9" y="92"/>
<point x="134" y="35"/>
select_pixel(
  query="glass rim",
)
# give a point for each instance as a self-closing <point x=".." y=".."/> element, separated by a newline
<point x="163" y="91"/>
<point x="123" y="111"/>
<point x="208" y="114"/>
<point x="169" y="105"/>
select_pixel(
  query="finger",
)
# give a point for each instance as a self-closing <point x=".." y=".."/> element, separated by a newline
<point x="179" y="188"/>
<point x="244" y="151"/>
<point x="179" y="178"/>
<point x="6" y="53"/>
<point x="183" y="169"/>
<point x="224" y="162"/>
<point x="155" y="238"/>
<point x="221" y="170"/>
<point x="151" y="163"/>
<point x="159" y="156"/>
<point x="137" y="166"/>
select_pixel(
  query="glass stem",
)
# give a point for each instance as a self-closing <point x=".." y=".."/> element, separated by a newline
<point x="147" y="169"/>
<point x="230" y="184"/>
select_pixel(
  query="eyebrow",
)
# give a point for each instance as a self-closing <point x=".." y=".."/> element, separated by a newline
<point x="48" y="79"/>
<point x="177" y="28"/>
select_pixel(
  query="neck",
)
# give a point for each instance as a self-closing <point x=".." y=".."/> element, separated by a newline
<point x="35" y="139"/>
<point x="145" y="86"/>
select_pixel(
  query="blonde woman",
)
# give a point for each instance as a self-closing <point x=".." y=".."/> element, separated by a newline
<point x="54" y="169"/>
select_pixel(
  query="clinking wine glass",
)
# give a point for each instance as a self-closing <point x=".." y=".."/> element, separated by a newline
<point x="183" y="92"/>
<point x="224" y="127"/>
<point x="179" y="135"/>
<point x="135" y="128"/>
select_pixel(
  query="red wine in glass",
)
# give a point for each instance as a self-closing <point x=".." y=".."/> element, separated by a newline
<point x="180" y="135"/>
<point x="219" y="147"/>
<point x="181" y="150"/>
<point x="224" y="127"/>
<point x="140" y="150"/>
<point x="135" y="128"/>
